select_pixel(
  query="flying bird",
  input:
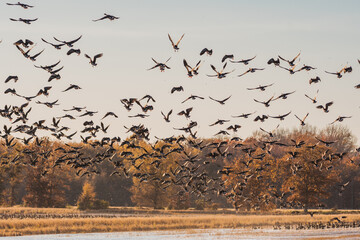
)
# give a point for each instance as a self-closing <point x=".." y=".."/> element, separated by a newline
<point x="72" y="86"/>
<point x="314" y="98"/>
<point x="27" y="21"/>
<point x="207" y="51"/>
<point x="222" y="102"/>
<point x="177" y="89"/>
<point x="56" y="46"/>
<point x="266" y="103"/>
<point x="220" y="74"/>
<point x="244" y="61"/>
<point x="25" y="43"/>
<point x="106" y="16"/>
<point x="326" y="108"/>
<point x="69" y="43"/>
<point x="244" y="115"/>
<point x="291" y="62"/>
<point x="251" y="70"/>
<point x="273" y="61"/>
<point x="175" y="46"/>
<point x="192" y="97"/>
<point x="227" y="56"/>
<point x="302" y="121"/>
<point x="23" y="5"/>
<point x="284" y="95"/>
<point x="161" y="66"/>
<point x="93" y="60"/>
<point x="72" y="50"/>
<point x="261" y="118"/>
<point x="186" y="112"/>
<point x="340" y="119"/>
<point x="314" y="80"/>
<point x="281" y="117"/>
<point x="261" y="87"/>
<point x="166" y="117"/>
<point x="9" y="78"/>
<point x="109" y="114"/>
<point x="192" y="70"/>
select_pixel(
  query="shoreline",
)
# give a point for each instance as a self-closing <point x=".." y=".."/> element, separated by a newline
<point x="167" y="221"/>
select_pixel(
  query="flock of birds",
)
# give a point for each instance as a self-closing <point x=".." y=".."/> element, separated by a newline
<point x="190" y="174"/>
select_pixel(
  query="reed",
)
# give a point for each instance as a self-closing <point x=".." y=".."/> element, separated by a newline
<point x="14" y="227"/>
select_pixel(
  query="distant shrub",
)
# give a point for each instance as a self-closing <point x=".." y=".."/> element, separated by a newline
<point x="100" y="204"/>
<point x="200" y="204"/>
<point x="87" y="199"/>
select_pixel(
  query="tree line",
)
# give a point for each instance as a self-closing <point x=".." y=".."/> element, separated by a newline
<point x="300" y="168"/>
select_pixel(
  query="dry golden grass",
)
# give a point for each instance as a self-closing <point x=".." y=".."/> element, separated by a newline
<point x="144" y="210"/>
<point x="11" y="227"/>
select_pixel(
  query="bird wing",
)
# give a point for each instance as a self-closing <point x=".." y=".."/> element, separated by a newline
<point x="74" y="41"/>
<point x="213" y="68"/>
<point x="296" y="57"/>
<point x="206" y="50"/>
<point x="179" y="39"/>
<point x="59" y="40"/>
<point x="305" y="117"/>
<point x="97" y="56"/>
<point x="167" y="61"/>
<point x="36" y="55"/>
<point x="224" y="100"/>
<point x="329" y="104"/>
<point x="283" y="58"/>
<point x="244" y="73"/>
<point x="331" y="73"/>
<point x="172" y="43"/>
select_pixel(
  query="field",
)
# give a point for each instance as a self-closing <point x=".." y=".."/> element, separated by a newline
<point x="18" y="221"/>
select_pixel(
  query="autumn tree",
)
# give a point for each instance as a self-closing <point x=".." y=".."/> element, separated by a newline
<point x="45" y="182"/>
<point x="308" y="176"/>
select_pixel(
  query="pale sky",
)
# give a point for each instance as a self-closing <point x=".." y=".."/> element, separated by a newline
<point x="326" y="33"/>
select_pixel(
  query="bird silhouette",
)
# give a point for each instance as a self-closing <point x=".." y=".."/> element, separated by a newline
<point x="106" y="16"/>
<point x="27" y="21"/>
<point x="93" y="60"/>
<point x="302" y="121"/>
<point x="207" y="51"/>
<point x="175" y="46"/>
<point x="177" y="89"/>
<point x="251" y="70"/>
<point x="244" y="61"/>
<point x="161" y="66"/>
<point x="291" y="62"/>
<point x="23" y="5"/>
<point x="167" y="116"/>
<point x="326" y="107"/>
<point x="222" y="102"/>
<point x="220" y="74"/>
<point x="69" y="43"/>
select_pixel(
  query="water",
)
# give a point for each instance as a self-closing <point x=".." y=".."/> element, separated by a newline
<point x="213" y="234"/>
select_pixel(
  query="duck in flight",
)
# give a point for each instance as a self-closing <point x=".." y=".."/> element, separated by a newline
<point x="23" y="5"/>
<point x="27" y="21"/>
<point x="191" y="71"/>
<point x="161" y="66"/>
<point x="106" y="16"/>
<point x="68" y="43"/>
<point x="175" y="46"/>
<point x="261" y="87"/>
<point x="207" y="51"/>
<point x="251" y="70"/>
<point x="93" y="60"/>
<point x="244" y="61"/>
<point x="291" y="62"/>
<point x="220" y="74"/>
